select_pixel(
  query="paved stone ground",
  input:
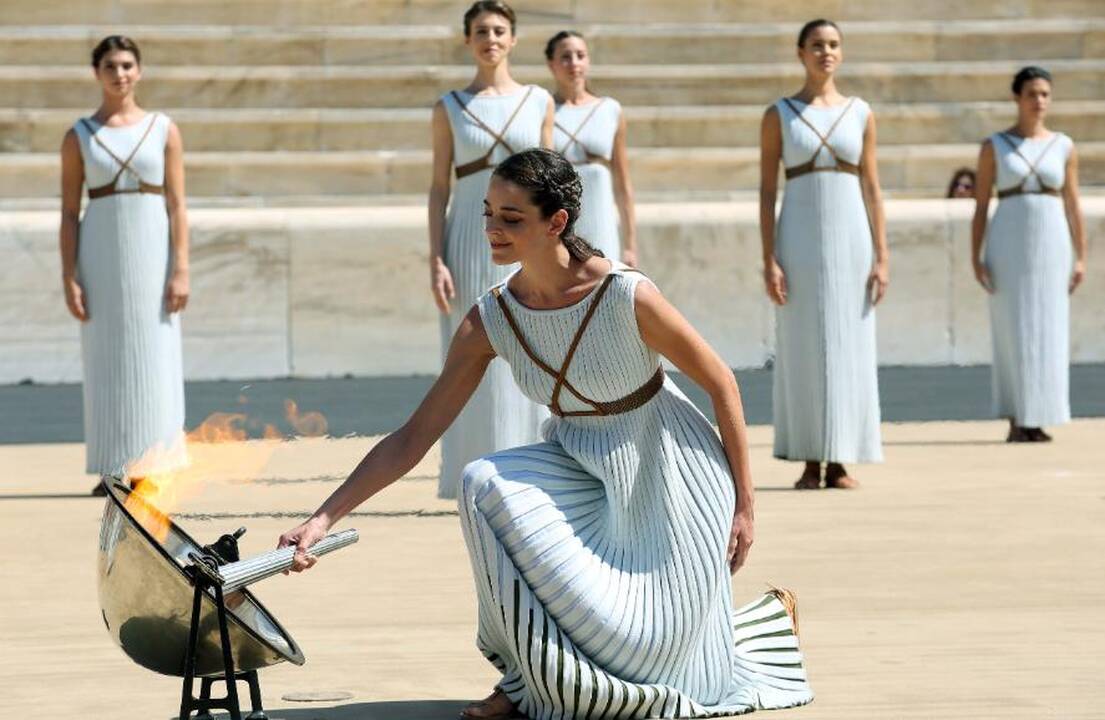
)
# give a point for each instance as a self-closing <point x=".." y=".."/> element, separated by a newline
<point x="372" y="406"/>
<point x="963" y="581"/>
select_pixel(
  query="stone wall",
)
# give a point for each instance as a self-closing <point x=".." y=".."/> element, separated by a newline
<point x="317" y="292"/>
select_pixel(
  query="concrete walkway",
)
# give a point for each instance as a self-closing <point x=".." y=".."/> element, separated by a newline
<point x="965" y="580"/>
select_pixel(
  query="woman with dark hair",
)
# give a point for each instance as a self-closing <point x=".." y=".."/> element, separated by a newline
<point x="125" y="271"/>
<point x="826" y="267"/>
<point x="590" y="132"/>
<point x="473" y="129"/>
<point x="1026" y="265"/>
<point x="602" y="556"/>
<point x="962" y="184"/>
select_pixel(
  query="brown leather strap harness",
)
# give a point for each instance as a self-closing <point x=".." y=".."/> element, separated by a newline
<point x="811" y="165"/>
<point x="573" y="139"/>
<point x="484" y="162"/>
<point x="110" y="188"/>
<point x="632" y="401"/>
<point x="1020" y="189"/>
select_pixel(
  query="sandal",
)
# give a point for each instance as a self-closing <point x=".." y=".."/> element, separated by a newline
<point x="790" y="602"/>
<point x="810" y="480"/>
<point x="840" y="480"/>
<point x="1037" y="435"/>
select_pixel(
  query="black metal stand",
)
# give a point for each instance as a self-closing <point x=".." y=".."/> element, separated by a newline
<point x="204" y="576"/>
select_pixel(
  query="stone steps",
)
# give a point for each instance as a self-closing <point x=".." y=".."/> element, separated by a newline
<point x="1038" y="39"/>
<point x="361" y="12"/>
<point x="912" y="168"/>
<point x="309" y="129"/>
<point x="406" y="87"/>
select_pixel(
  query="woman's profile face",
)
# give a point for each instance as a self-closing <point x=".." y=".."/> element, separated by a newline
<point x="118" y="72"/>
<point x="823" y="51"/>
<point x="513" y="224"/>
<point x="490" y="38"/>
<point x="1034" y="98"/>
<point x="570" y="62"/>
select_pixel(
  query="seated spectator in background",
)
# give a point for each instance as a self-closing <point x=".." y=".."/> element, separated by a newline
<point x="962" y="184"/>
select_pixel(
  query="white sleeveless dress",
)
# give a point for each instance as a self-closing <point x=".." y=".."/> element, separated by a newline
<point x="498" y="415"/>
<point x="599" y="555"/>
<point x="826" y="392"/>
<point x="1028" y="253"/>
<point x="584" y="134"/>
<point x="133" y="384"/>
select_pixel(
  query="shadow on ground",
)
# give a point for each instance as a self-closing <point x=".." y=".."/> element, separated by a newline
<point x="405" y="710"/>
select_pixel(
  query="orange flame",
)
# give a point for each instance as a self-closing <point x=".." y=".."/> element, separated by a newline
<point x="165" y="477"/>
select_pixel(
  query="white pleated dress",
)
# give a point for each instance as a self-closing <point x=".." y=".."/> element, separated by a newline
<point x="826" y="391"/>
<point x="498" y="415"/>
<point x="584" y="134"/>
<point x="130" y="346"/>
<point x="599" y="555"/>
<point x="1028" y="253"/>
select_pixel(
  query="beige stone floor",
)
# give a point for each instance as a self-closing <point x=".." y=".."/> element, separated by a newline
<point x="965" y="580"/>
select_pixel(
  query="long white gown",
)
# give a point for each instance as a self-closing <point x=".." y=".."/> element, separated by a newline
<point x="1028" y="253"/>
<point x="498" y="415"/>
<point x="826" y="388"/>
<point x="599" y="555"/>
<point x="130" y="346"/>
<point x="584" y="134"/>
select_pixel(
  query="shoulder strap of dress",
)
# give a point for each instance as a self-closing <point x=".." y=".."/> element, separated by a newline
<point x="498" y="136"/>
<point x="1031" y="165"/>
<point x="124" y="165"/>
<point x="561" y="377"/>
<point x="573" y="137"/>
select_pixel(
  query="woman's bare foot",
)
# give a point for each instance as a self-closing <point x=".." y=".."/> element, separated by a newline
<point x="811" y="477"/>
<point x="837" y="477"/>
<point x="496" y="706"/>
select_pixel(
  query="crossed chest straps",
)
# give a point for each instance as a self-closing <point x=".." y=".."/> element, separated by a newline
<point x="573" y="139"/>
<point x="124" y="165"/>
<point x="484" y="162"/>
<point x="811" y="166"/>
<point x="632" y="401"/>
<point x="1021" y="189"/>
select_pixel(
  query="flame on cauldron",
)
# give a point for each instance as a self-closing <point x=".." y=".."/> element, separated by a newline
<point x="165" y="477"/>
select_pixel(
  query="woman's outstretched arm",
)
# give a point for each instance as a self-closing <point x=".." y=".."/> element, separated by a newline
<point x="395" y="455"/>
<point x="667" y="332"/>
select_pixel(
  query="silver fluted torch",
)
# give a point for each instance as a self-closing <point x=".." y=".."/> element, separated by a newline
<point x="237" y="575"/>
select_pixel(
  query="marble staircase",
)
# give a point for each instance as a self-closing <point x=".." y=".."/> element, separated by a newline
<point x="317" y="111"/>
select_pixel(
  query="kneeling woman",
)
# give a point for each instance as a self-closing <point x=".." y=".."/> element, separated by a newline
<point x="602" y="556"/>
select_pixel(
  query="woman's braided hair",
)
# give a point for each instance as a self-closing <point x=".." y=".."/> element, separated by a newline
<point x="553" y="184"/>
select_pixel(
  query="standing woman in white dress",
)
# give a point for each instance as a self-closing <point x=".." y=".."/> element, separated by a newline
<point x="125" y="271"/>
<point x="590" y="132"/>
<point x="1026" y="265"/>
<point x="473" y="130"/>
<point x="602" y="556"/>
<point x="826" y="267"/>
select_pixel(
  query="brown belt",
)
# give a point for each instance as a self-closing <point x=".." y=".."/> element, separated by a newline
<point x="632" y="401"/>
<point x="809" y="167"/>
<point x="595" y="160"/>
<point x="1011" y="192"/>
<point x="110" y="189"/>
<point x="475" y="166"/>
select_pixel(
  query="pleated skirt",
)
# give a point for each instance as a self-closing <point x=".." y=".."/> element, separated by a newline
<point x="130" y="346"/>
<point x="498" y="415"/>
<point x="582" y="624"/>
<point x="1028" y="253"/>
<point x="825" y="380"/>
